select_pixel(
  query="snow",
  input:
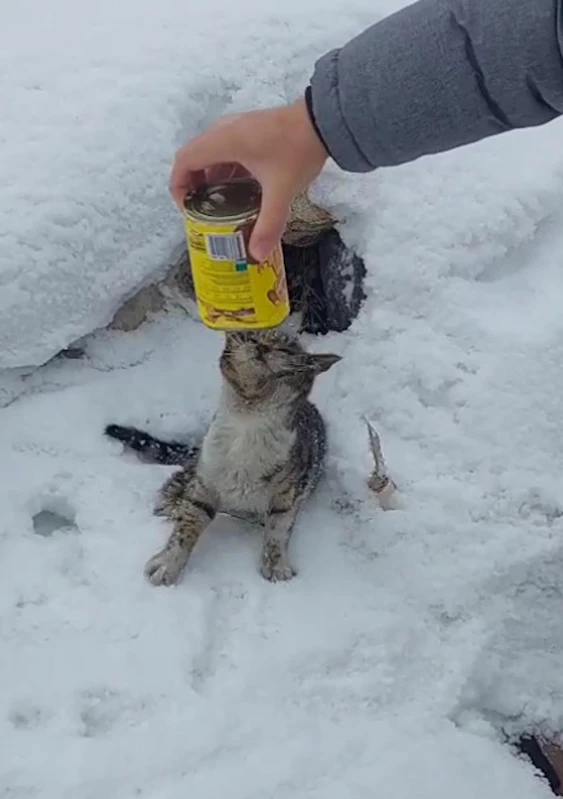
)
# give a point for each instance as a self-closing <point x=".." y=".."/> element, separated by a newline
<point x="96" y="98"/>
<point x="362" y="672"/>
<point x="411" y="640"/>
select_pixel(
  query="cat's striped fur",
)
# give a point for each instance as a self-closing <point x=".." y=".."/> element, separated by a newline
<point x="261" y="456"/>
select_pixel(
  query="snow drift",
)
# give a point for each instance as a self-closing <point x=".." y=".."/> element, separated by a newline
<point x="409" y="640"/>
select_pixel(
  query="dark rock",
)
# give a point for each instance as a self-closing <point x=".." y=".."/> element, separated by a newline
<point x="530" y="746"/>
<point x="72" y="353"/>
<point x="342" y="274"/>
<point x="306" y="291"/>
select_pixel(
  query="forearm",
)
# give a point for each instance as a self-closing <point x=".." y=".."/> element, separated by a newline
<point x="437" y="75"/>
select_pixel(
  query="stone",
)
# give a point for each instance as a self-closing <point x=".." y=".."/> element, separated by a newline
<point x="307" y="222"/>
<point x="342" y="275"/>
<point x="136" y="310"/>
<point x="547" y="757"/>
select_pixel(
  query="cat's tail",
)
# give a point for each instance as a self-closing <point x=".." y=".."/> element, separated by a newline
<point x="151" y="449"/>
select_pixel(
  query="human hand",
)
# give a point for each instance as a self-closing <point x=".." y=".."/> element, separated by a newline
<point x="277" y="146"/>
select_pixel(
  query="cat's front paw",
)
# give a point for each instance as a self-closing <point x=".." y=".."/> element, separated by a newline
<point x="165" y="567"/>
<point x="276" y="571"/>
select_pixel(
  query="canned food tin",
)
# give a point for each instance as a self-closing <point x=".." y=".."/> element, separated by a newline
<point x="233" y="291"/>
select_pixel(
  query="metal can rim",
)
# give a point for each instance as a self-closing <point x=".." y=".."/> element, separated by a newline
<point x="194" y="216"/>
<point x="199" y="216"/>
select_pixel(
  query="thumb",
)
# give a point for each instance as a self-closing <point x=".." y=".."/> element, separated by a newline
<point x="272" y="219"/>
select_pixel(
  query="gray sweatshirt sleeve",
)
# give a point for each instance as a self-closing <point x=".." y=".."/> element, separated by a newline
<point x="437" y="75"/>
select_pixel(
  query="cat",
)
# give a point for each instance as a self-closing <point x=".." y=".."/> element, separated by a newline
<point x="261" y="457"/>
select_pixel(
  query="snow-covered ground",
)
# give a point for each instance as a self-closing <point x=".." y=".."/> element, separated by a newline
<point x="410" y="638"/>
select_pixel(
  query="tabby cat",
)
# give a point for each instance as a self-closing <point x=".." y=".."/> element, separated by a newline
<point x="260" y="458"/>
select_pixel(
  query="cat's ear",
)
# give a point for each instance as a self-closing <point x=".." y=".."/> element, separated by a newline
<point x="323" y="361"/>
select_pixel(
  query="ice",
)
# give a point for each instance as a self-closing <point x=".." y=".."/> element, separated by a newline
<point x="414" y="643"/>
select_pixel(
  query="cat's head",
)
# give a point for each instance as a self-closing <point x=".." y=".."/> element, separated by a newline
<point x="269" y="366"/>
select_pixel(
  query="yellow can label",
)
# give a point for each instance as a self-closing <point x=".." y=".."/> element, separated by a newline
<point x="233" y="293"/>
